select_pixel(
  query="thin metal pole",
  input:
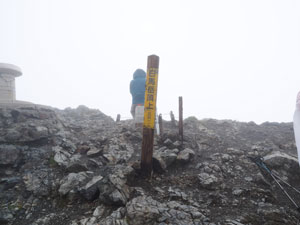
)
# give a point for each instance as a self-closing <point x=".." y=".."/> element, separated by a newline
<point x="295" y="189"/>
<point x="284" y="191"/>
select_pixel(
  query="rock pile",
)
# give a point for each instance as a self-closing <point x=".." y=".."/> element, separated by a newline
<point x="79" y="167"/>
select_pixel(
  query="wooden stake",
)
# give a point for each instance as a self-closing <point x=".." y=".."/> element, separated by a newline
<point x="149" y="115"/>
<point x="180" y="120"/>
<point x="172" y="118"/>
<point x="147" y="152"/>
<point x="118" y="118"/>
<point x="160" y="123"/>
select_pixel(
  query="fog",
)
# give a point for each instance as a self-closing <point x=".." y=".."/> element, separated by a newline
<point x="229" y="59"/>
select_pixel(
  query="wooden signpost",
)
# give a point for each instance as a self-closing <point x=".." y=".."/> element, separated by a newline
<point x="149" y="114"/>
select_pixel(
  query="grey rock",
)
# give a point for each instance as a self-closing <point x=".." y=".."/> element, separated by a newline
<point x="233" y="151"/>
<point x="76" y="167"/>
<point x="169" y="156"/>
<point x="164" y="158"/>
<point x="145" y="210"/>
<point x="113" y="189"/>
<point x="89" y="221"/>
<point x="12" y="135"/>
<point x="117" y="217"/>
<point x="38" y="182"/>
<point x="6" y="216"/>
<point x="9" y="155"/>
<point x="237" y="192"/>
<point x="9" y="182"/>
<point x="118" y="198"/>
<point x="186" y="155"/>
<point x="94" y="152"/>
<point x="99" y="211"/>
<point x="159" y="164"/>
<point x="177" y="144"/>
<point x="232" y="222"/>
<point x="29" y="124"/>
<point x="168" y="142"/>
<point x="226" y="157"/>
<point x="91" y="191"/>
<point x="73" y="182"/>
<point x="271" y="213"/>
<point x="282" y="162"/>
<point x="208" y="181"/>
<point x="46" y="220"/>
<point x="249" y="179"/>
<point x="61" y="157"/>
<point x="139" y="211"/>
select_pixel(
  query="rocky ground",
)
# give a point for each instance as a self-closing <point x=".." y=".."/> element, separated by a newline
<point x="79" y="167"/>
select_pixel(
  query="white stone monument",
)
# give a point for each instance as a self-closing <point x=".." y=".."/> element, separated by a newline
<point x="8" y="72"/>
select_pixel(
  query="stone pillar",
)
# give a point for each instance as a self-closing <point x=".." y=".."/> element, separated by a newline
<point x="8" y="72"/>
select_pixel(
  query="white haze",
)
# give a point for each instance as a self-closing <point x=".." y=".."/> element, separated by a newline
<point x="229" y="59"/>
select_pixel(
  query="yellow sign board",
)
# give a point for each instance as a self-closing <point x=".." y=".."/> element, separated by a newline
<point x="150" y="97"/>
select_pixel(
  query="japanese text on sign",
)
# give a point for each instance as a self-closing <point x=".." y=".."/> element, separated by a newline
<point x="150" y="97"/>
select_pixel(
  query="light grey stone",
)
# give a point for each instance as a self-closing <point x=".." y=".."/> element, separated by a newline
<point x="99" y="211"/>
<point x="61" y="157"/>
<point x="72" y="181"/>
<point x="208" y="181"/>
<point x="94" y="152"/>
<point x="186" y="155"/>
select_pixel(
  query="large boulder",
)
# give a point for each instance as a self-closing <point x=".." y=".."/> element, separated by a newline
<point x="91" y="191"/>
<point x="113" y="189"/>
<point x="283" y="163"/>
<point x="185" y="156"/>
<point x="73" y="182"/>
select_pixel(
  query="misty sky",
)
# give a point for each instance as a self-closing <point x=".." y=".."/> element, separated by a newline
<point x="229" y="59"/>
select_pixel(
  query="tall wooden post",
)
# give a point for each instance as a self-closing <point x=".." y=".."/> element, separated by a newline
<point x="180" y="120"/>
<point x="118" y="118"/>
<point x="160" y="123"/>
<point x="149" y="114"/>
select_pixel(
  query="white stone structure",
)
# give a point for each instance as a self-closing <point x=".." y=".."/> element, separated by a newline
<point x="8" y="72"/>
